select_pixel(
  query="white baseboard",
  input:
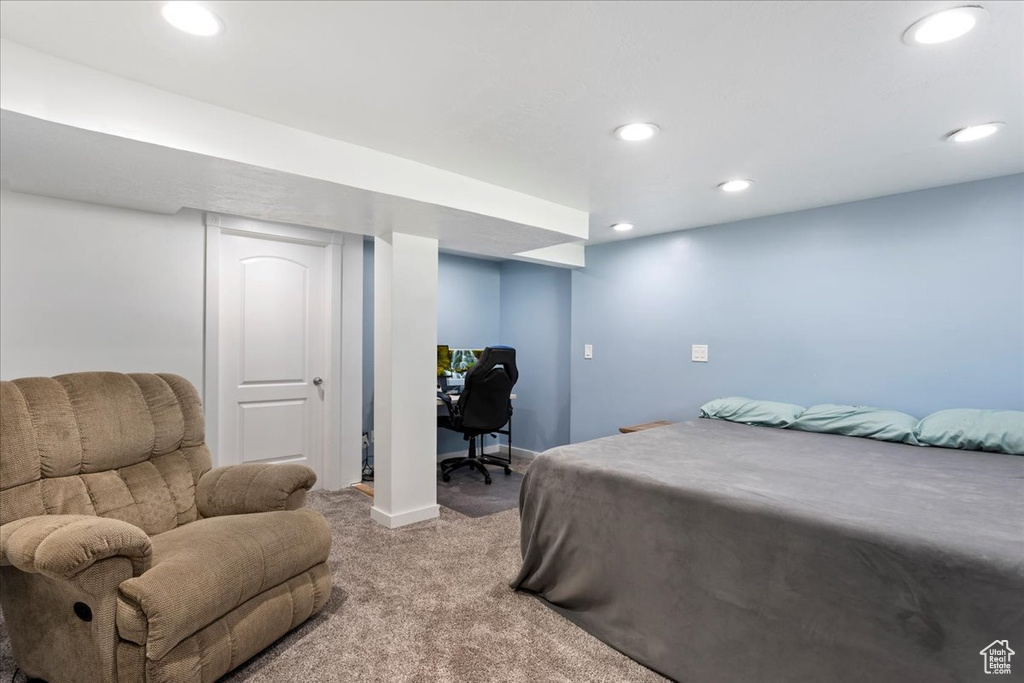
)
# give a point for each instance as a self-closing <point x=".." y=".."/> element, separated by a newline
<point x="523" y="453"/>
<point x="404" y="518"/>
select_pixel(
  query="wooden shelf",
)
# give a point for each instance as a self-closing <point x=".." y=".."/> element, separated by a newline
<point x="645" y="425"/>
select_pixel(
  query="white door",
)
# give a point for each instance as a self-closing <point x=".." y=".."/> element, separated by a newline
<point x="273" y="325"/>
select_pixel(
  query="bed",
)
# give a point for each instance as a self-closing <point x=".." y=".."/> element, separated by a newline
<point x="715" y="551"/>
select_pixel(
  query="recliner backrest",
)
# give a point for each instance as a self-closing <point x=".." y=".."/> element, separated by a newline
<point x="484" y="403"/>
<point x="130" y="447"/>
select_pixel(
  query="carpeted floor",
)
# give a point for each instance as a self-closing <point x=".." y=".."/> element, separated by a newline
<point x="468" y="494"/>
<point x="429" y="602"/>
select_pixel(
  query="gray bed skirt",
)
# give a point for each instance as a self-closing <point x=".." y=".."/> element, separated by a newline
<point x="711" y="551"/>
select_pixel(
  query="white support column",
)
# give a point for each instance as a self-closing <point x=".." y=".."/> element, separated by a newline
<point x="405" y="379"/>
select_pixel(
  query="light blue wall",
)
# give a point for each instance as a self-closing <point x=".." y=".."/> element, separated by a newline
<point x="913" y="301"/>
<point x="535" y="311"/>
<point x="468" y="315"/>
<point x="468" y="302"/>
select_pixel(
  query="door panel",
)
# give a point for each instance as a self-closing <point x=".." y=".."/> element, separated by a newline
<point x="272" y="345"/>
<point x="273" y="430"/>
<point x="275" y="298"/>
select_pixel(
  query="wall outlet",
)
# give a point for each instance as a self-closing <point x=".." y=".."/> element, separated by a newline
<point x="588" y="351"/>
<point x="699" y="353"/>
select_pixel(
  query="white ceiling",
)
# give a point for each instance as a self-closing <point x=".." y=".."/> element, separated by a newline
<point x="819" y="102"/>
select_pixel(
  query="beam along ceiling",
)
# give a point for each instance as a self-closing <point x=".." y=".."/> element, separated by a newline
<point x="819" y="102"/>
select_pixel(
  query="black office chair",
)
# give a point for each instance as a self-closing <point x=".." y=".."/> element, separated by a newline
<point x="484" y="407"/>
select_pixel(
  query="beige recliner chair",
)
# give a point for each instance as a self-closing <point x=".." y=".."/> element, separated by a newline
<point x="123" y="556"/>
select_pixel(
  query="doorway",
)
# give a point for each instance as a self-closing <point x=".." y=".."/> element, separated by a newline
<point x="272" y="368"/>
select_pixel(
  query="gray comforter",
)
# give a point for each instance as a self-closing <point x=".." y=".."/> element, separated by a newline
<point x="712" y="551"/>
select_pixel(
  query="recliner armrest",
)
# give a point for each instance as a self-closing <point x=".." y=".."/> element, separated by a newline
<point x="62" y="546"/>
<point x="242" y="489"/>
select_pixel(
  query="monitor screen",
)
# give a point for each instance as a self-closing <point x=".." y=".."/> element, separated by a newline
<point x="463" y="360"/>
<point x="444" y="360"/>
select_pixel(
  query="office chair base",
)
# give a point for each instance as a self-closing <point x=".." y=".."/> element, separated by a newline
<point x="451" y="464"/>
<point x="477" y="459"/>
<point x="497" y="462"/>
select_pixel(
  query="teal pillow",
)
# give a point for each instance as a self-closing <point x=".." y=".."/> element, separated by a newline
<point x="871" y="423"/>
<point x="751" y="411"/>
<point x="1001" y="431"/>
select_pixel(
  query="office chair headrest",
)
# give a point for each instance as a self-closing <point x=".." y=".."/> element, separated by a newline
<point x="495" y="356"/>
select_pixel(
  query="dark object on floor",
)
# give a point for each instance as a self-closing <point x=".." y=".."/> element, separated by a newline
<point x="710" y="550"/>
<point x="466" y="494"/>
<point x="484" y="407"/>
<point x="367" y="464"/>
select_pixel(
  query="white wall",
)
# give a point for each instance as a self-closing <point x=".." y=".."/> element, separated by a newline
<point x="87" y="287"/>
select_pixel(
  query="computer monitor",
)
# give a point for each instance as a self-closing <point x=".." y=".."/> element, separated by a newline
<point x="444" y="360"/>
<point x="453" y="364"/>
<point x="463" y="360"/>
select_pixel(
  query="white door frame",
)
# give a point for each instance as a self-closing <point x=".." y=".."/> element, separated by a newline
<point x="342" y="448"/>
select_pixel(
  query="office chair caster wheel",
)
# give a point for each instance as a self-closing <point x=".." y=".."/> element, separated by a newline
<point x="508" y="470"/>
<point x="487" y="481"/>
<point x="446" y="477"/>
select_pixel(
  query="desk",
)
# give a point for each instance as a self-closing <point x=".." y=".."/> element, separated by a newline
<point x="455" y="399"/>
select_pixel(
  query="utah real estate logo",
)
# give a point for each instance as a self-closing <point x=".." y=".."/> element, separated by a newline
<point x="997" y="657"/>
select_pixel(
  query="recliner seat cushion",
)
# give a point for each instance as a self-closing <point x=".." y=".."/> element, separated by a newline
<point x="203" y="570"/>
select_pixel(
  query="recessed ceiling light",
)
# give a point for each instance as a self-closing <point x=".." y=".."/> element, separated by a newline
<point x="735" y="185"/>
<point x="191" y="17"/>
<point x="635" y="132"/>
<point x="622" y="227"/>
<point x="972" y="133"/>
<point x="945" y="25"/>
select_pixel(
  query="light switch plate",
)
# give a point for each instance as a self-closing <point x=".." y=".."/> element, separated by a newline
<point x="588" y="351"/>
<point x="699" y="353"/>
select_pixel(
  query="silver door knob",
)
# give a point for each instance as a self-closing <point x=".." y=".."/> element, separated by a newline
<point x="317" y="381"/>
